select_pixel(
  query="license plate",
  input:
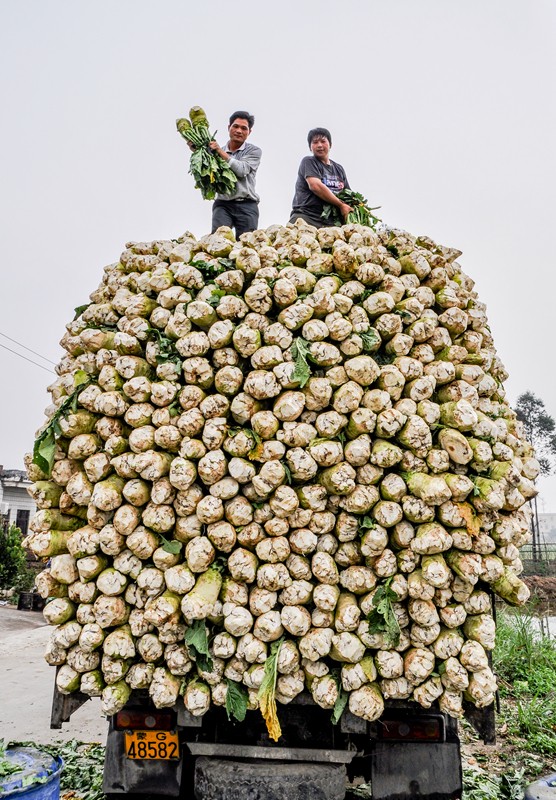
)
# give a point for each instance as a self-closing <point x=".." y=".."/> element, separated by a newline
<point x="150" y="745"/>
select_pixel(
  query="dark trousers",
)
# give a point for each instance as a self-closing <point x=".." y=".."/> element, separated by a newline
<point x="242" y="215"/>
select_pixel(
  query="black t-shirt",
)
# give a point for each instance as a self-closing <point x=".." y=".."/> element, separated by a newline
<point x="332" y="175"/>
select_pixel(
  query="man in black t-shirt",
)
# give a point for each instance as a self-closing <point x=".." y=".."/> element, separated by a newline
<point x="318" y="182"/>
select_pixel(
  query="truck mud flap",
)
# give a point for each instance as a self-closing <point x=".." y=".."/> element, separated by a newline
<point x="123" y="775"/>
<point x="405" y="770"/>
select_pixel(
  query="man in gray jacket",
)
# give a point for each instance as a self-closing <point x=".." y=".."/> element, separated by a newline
<point x="241" y="209"/>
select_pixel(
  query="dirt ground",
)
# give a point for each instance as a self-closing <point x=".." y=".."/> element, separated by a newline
<point x="27" y="682"/>
<point x="543" y="591"/>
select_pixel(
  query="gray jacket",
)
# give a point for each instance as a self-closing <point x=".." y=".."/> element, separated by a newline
<point x="244" y="163"/>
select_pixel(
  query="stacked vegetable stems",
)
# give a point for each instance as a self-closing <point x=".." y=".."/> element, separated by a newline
<point x="280" y="465"/>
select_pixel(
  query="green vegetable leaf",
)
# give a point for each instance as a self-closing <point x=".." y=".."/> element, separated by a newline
<point x="196" y="638"/>
<point x="6" y="767"/>
<point x="167" y="352"/>
<point x="341" y="437"/>
<point x="371" y="340"/>
<point x="236" y="700"/>
<point x="80" y="309"/>
<point x="44" y="450"/>
<point x="383" y="358"/>
<point x="44" y="447"/>
<point x="365" y="524"/>
<point x="393" y="250"/>
<point x="288" y="472"/>
<point x="212" y="270"/>
<point x="170" y="545"/>
<point x="267" y="691"/>
<point x="175" y="409"/>
<point x="215" y="297"/>
<point x="300" y="353"/>
<point x="256" y="451"/>
<point x="339" y="705"/>
<point x="382" y="618"/>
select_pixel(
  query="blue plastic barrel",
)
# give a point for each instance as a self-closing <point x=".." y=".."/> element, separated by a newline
<point x="37" y="779"/>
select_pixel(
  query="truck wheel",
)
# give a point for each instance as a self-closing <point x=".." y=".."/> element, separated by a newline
<point x="218" y="779"/>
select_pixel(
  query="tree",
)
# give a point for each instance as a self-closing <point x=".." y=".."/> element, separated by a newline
<point x="540" y="429"/>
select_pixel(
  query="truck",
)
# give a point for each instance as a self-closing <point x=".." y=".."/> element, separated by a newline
<point x="410" y="752"/>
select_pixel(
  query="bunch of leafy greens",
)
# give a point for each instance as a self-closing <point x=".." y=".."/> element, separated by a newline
<point x="45" y="444"/>
<point x="211" y="172"/>
<point x="361" y="213"/>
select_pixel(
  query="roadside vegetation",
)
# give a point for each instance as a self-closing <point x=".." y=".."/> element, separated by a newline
<point x="525" y="663"/>
<point x="14" y="572"/>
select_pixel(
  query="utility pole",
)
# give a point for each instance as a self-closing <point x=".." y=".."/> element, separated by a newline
<point x="535" y="528"/>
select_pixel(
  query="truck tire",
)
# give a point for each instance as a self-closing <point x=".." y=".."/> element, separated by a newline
<point x="218" y="779"/>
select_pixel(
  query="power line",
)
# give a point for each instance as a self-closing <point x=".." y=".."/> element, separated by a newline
<point x="51" y="371"/>
<point x="27" y="348"/>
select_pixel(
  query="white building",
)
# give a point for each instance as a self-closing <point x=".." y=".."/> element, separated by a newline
<point x="16" y="506"/>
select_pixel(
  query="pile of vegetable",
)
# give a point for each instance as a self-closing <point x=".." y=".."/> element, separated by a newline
<point x="211" y="172"/>
<point x="279" y="465"/>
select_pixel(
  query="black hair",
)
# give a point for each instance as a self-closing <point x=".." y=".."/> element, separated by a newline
<point x="243" y="115"/>
<point x="319" y="132"/>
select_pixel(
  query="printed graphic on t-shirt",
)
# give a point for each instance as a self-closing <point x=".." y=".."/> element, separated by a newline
<point x="333" y="182"/>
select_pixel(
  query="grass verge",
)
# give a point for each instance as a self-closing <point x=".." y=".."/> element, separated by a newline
<point x="525" y="662"/>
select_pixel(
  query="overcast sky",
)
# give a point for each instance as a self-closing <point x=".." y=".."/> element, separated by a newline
<point x="441" y="112"/>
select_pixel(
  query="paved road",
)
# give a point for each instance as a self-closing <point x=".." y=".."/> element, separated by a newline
<point x="26" y="686"/>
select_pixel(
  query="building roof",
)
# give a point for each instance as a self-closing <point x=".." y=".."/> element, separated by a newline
<point x="13" y="475"/>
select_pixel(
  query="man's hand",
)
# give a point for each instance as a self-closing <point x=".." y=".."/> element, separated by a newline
<point x="345" y="210"/>
<point x="217" y="149"/>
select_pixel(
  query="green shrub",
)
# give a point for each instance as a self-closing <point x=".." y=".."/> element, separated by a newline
<point x="14" y="571"/>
